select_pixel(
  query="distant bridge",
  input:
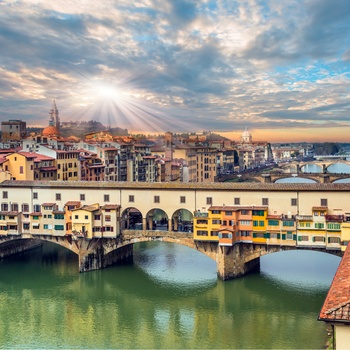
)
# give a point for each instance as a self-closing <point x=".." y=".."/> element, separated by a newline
<point x="297" y="167"/>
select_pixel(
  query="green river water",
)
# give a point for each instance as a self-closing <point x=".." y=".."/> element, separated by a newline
<point x="169" y="297"/>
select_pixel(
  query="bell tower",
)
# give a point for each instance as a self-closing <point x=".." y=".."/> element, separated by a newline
<point x="54" y="116"/>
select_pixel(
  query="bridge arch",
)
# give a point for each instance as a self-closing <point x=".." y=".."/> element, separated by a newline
<point x="299" y="176"/>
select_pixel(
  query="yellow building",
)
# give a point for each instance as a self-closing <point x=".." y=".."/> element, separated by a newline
<point x="345" y="232"/>
<point x="20" y="165"/>
<point x="83" y="219"/>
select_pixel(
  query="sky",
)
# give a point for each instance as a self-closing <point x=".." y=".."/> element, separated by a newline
<point x="279" y="68"/>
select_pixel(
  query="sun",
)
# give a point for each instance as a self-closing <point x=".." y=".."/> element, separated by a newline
<point x="107" y="91"/>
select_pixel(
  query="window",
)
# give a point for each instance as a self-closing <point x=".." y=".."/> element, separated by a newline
<point x="289" y="235"/>
<point x="303" y="238"/>
<point x="46" y="226"/>
<point x="107" y="218"/>
<point x="318" y="239"/>
<point x="202" y="233"/>
<point x="4" y="207"/>
<point x="35" y="195"/>
<point x="333" y="226"/>
<point x="219" y="212"/>
<point x="216" y="222"/>
<point x="228" y="213"/>
<point x="59" y="216"/>
<point x="82" y="197"/>
<point x="86" y="217"/>
<point x="131" y="198"/>
<point x="14" y="207"/>
<point x="237" y="201"/>
<point x="293" y="201"/>
<point x="265" y="201"/>
<point x="59" y="227"/>
<point x="106" y="197"/>
<point x="4" y="194"/>
<point x="182" y="199"/>
<point x="58" y="196"/>
<point x="258" y="212"/>
<point x="334" y="240"/>
<point x="209" y="200"/>
<point x="97" y="217"/>
<point x="21" y="170"/>
<point x="261" y="223"/>
<point x="37" y="208"/>
<point x="245" y="212"/>
<point x="202" y="222"/>
<point x="76" y="216"/>
<point x="319" y="225"/>
<point x="273" y="222"/>
<point x="245" y="222"/>
<point x="288" y="223"/>
<point x="156" y="199"/>
<point x="26" y="226"/>
<point x="324" y="202"/>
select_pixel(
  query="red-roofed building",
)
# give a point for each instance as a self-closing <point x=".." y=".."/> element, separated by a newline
<point x="336" y="308"/>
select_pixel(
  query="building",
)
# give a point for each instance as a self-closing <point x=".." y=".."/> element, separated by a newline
<point x="13" y="130"/>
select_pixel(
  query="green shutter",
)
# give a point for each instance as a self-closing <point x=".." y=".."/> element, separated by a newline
<point x="283" y="236"/>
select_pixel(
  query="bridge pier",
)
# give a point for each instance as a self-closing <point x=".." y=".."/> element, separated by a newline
<point x="95" y="255"/>
<point x="233" y="262"/>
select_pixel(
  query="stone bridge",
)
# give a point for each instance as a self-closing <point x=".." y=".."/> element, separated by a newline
<point x="297" y="167"/>
<point x="274" y="176"/>
<point x="97" y="253"/>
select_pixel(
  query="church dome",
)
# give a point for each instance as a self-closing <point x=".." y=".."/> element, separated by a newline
<point x="50" y="130"/>
<point x="246" y="136"/>
<point x="246" y="133"/>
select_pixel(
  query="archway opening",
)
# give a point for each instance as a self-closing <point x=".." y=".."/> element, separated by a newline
<point x="157" y="219"/>
<point x="182" y="221"/>
<point x="131" y="219"/>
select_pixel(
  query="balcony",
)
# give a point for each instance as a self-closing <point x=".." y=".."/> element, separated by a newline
<point x="198" y="214"/>
<point x="334" y="218"/>
<point x="304" y="217"/>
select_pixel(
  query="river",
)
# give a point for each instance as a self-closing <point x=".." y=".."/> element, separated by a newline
<point x="169" y="297"/>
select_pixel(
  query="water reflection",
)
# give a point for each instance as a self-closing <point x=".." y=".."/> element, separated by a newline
<point x="295" y="179"/>
<point x="169" y="298"/>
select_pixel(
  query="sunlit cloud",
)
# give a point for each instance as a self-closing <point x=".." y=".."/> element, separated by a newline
<point x="158" y="65"/>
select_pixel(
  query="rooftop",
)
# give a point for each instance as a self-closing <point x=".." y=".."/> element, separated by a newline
<point x="210" y="186"/>
<point x="336" y="307"/>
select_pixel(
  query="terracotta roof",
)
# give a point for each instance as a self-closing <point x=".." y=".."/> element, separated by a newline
<point x="320" y="208"/>
<point x="72" y="203"/>
<point x="111" y="206"/>
<point x="48" y="204"/>
<point x="336" y="307"/>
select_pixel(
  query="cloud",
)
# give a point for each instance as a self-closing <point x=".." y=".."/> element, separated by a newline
<point x="189" y="64"/>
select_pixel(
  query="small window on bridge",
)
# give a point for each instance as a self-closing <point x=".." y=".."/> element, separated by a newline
<point x="293" y="201"/>
<point x="265" y="201"/>
<point x="58" y="196"/>
<point x="156" y="199"/>
<point x="4" y="194"/>
<point x="182" y="199"/>
<point x="324" y="202"/>
<point x="237" y="201"/>
<point x="82" y="197"/>
<point x="131" y="198"/>
<point x="209" y="200"/>
<point x="106" y="198"/>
